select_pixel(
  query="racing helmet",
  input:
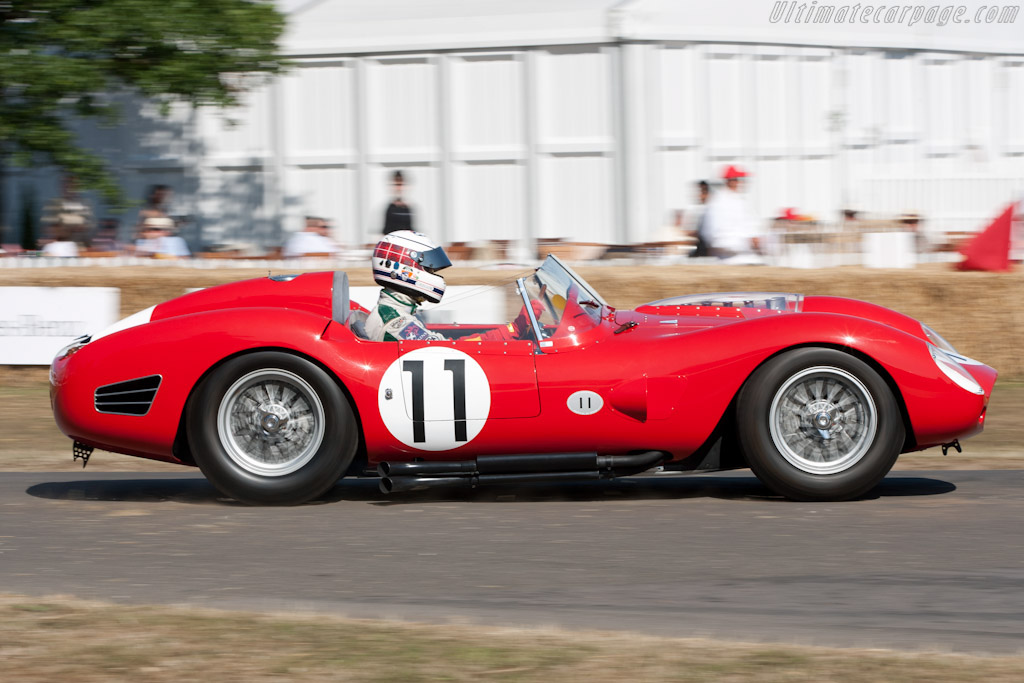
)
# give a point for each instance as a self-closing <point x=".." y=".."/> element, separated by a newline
<point x="407" y="262"/>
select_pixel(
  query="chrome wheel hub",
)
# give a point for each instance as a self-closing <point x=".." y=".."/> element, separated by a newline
<point x="271" y="422"/>
<point x="823" y="420"/>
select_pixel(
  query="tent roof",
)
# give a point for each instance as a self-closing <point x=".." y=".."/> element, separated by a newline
<point x="339" y="27"/>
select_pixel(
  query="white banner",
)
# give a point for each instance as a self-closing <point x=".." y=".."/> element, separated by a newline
<point x="37" y="322"/>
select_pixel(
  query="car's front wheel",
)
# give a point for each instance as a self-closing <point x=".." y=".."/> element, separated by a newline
<point x="271" y="428"/>
<point x="819" y="424"/>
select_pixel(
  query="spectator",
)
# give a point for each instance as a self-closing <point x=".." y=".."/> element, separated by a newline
<point x="912" y="224"/>
<point x="157" y="199"/>
<point x="399" y="214"/>
<point x="68" y="214"/>
<point x="700" y="230"/>
<point x="105" y="239"/>
<point x="729" y="228"/>
<point x="313" y="240"/>
<point x="158" y="239"/>
<point x="62" y="246"/>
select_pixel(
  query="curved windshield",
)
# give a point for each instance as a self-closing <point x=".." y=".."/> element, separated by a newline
<point x="570" y="304"/>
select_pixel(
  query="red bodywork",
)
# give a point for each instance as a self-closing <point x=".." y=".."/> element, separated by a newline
<point x="667" y="381"/>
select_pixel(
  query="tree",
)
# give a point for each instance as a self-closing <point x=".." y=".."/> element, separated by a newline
<point x="64" y="58"/>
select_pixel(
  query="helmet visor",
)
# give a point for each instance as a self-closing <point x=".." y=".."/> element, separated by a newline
<point x="433" y="260"/>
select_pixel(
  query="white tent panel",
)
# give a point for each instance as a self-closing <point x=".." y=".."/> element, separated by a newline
<point x="401" y="109"/>
<point x="678" y="172"/>
<point x="772" y="187"/>
<point x="817" y="189"/>
<point x="943" y="79"/>
<point x="775" y="102"/>
<point x="575" y="99"/>
<point x="577" y="198"/>
<point x="487" y="106"/>
<point x="815" y="115"/>
<point x="728" y="91"/>
<point x="1013" y="107"/>
<point x="678" y="93"/>
<point x="902" y="99"/>
<point x="319" y="101"/>
<point x="492" y="202"/>
<point x="863" y="117"/>
<point x="977" y="102"/>
<point x="328" y="192"/>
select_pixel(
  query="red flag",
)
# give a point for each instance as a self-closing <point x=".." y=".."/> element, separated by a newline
<point x="990" y="249"/>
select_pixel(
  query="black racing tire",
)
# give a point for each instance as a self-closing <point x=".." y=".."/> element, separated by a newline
<point x="818" y="424"/>
<point x="269" y="428"/>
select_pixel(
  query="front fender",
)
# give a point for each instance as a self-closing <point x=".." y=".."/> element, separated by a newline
<point x="717" y="361"/>
<point x="180" y="350"/>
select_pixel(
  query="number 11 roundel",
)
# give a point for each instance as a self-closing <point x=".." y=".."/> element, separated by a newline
<point x="434" y="398"/>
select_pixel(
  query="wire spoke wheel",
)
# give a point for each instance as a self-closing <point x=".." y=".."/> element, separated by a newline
<point x="823" y="420"/>
<point x="819" y="424"/>
<point x="271" y="422"/>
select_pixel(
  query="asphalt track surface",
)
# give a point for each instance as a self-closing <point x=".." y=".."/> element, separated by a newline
<point x="928" y="560"/>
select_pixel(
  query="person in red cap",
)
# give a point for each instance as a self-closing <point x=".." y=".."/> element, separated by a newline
<point x="729" y="227"/>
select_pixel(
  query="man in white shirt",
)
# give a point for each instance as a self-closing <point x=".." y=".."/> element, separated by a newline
<point x="729" y="227"/>
<point x="313" y="240"/>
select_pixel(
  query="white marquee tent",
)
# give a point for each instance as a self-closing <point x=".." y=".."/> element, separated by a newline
<point x="590" y="120"/>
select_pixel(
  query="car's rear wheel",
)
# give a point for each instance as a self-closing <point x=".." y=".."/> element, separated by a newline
<point x="271" y="428"/>
<point x="819" y="424"/>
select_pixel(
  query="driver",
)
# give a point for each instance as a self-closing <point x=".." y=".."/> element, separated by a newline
<point x="405" y="264"/>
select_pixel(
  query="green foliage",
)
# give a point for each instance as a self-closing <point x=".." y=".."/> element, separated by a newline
<point x="65" y="57"/>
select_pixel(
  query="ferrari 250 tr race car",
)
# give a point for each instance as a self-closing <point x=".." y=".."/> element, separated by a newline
<point x="270" y="387"/>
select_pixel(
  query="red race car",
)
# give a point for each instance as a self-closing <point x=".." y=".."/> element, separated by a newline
<point x="271" y="389"/>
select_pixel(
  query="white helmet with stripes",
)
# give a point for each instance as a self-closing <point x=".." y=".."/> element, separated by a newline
<point x="407" y="262"/>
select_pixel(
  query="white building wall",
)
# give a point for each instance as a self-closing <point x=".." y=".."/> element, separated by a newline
<point x="592" y="143"/>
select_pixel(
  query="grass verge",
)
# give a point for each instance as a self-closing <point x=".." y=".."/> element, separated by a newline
<point x="61" y="639"/>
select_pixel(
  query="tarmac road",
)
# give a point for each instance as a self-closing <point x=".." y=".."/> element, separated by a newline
<point x="929" y="560"/>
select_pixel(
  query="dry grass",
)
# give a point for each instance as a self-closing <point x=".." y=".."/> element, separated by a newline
<point x="62" y="639"/>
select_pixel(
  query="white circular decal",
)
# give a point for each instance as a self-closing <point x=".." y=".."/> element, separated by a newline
<point x="585" y="402"/>
<point x="434" y="398"/>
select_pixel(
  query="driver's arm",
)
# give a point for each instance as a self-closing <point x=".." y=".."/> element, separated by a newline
<point x="517" y="329"/>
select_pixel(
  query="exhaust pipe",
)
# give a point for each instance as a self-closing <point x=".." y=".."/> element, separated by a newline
<point x="511" y="469"/>
<point x="386" y="469"/>
<point x="402" y="484"/>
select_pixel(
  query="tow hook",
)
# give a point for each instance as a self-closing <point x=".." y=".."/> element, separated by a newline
<point x="80" y="450"/>
<point x="955" y="443"/>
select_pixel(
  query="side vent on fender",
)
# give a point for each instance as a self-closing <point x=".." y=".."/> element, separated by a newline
<point x="133" y="397"/>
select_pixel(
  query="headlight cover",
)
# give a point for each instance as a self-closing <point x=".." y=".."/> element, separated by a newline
<point x="936" y="339"/>
<point x="134" y="320"/>
<point x="953" y="370"/>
